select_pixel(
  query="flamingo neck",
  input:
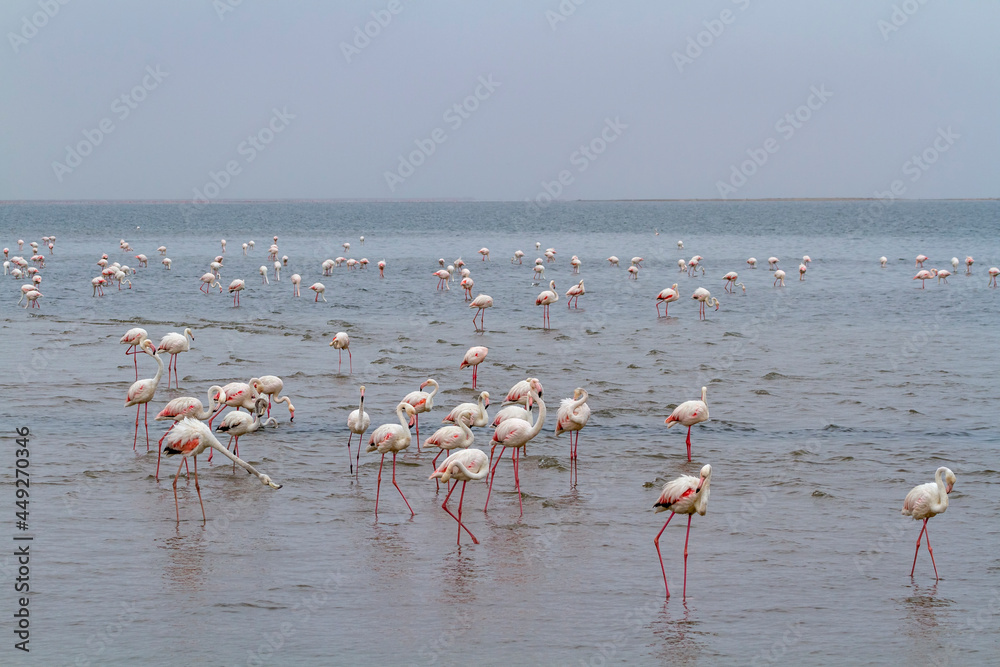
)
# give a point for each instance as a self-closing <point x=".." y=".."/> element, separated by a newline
<point x="402" y="417"/>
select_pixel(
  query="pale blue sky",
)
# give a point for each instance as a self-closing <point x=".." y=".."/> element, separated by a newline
<point x="672" y="128"/>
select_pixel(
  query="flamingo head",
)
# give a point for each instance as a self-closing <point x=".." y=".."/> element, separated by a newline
<point x="486" y="399"/>
<point x="704" y="477"/>
<point x="949" y="481"/>
<point x="266" y="481"/>
<point x="362" y="391"/>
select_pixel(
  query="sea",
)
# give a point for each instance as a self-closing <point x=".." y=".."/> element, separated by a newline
<point x="830" y="398"/>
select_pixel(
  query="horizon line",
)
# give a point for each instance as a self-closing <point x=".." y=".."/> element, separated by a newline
<point x="471" y="200"/>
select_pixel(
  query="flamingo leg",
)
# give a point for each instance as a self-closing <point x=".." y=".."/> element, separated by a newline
<point x="176" y="505"/>
<point x="416" y="421"/>
<point x="159" y="450"/>
<point x="656" y="541"/>
<point x="689" y="443"/>
<point x="917" y="551"/>
<point x="197" y="488"/>
<point x="437" y="481"/>
<point x="684" y="590"/>
<point x="145" y="421"/>
<point x="350" y="457"/>
<point x="350" y="359"/>
<point x="458" y="518"/>
<point x="357" y="457"/>
<point x="378" y="485"/>
<point x="397" y="485"/>
<point x="135" y="438"/>
<point x="493" y="473"/>
<point x="515" y="457"/>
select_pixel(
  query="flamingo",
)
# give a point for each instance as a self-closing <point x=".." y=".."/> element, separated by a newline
<point x="277" y="271"/>
<point x="482" y="302"/>
<point x="994" y="272"/>
<point x="143" y="260"/>
<point x="546" y="299"/>
<point x="924" y="275"/>
<point x="173" y="344"/>
<point x="802" y="272"/>
<point x="467" y="284"/>
<point x="189" y="439"/>
<point x="346" y="246"/>
<point x="235" y="288"/>
<point x="208" y="281"/>
<point x="539" y="271"/>
<point x="357" y="423"/>
<point x="574" y="293"/>
<point x="613" y="261"/>
<point x="271" y="386"/>
<point x="341" y="341"/>
<point x="572" y="416"/>
<point x="968" y="265"/>
<point x="452" y="436"/>
<point x="223" y="245"/>
<point x="666" y="297"/>
<point x="296" y="281"/>
<point x="681" y="266"/>
<point x="250" y="244"/>
<point x="954" y="264"/>
<point x="633" y="272"/>
<point x="519" y="392"/>
<point x="684" y="495"/>
<point x="263" y="274"/>
<point x="141" y="392"/>
<point x="518" y="254"/>
<point x="705" y="298"/>
<point x="943" y="275"/>
<point x="320" y="290"/>
<point x="443" y="276"/>
<point x="637" y="261"/>
<point x="362" y="240"/>
<point x="473" y="357"/>
<point x="575" y="263"/>
<point x="730" y="279"/>
<point x="515" y="433"/>
<point x="238" y="424"/>
<point x="32" y="298"/>
<point x="485" y="252"/>
<point x="186" y="406"/>
<point x="327" y="267"/>
<point x="245" y="246"/>
<point x="166" y="263"/>
<point x="806" y="259"/>
<point x="233" y="395"/>
<point x="97" y="283"/>
<point x="162" y="250"/>
<point x="466" y="465"/>
<point x="883" y="260"/>
<point x="134" y="338"/>
<point x="680" y="245"/>
<point x="510" y="412"/>
<point x="392" y="438"/>
<point x="421" y="401"/>
<point x="381" y="268"/>
<point x="927" y="500"/>
<point x="920" y="261"/>
<point x="772" y="263"/>
<point x="30" y="288"/>
<point x="779" y="277"/>
<point x="688" y="414"/>
<point x="477" y="411"/>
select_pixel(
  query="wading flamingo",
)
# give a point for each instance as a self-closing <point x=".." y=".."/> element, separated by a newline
<point x="924" y="275"/>
<point x="925" y="501"/>
<point x="518" y="255"/>
<point x="421" y="401"/>
<point x="943" y="275"/>
<point x="173" y="344"/>
<point x="477" y="411"/>
<point x="357" y="423"/>
<point x="263" y="274"/>
<point x="994" y="272"/>
<point x="920" y="261"/>
<point x="613" y="261"/>
<point x="271" y="386"/>
<point x="189" y="439"/>
<point x="475" y="356"/>
<point x="208" y="281"/>
<point x="133" y="338"/>
<point x="968" y="265"/>
<point x="381" y="268"/>
<point x="574" y="293"/>
<point x="730" y="279"/>
<point x="883" y="260"/>
<point x="704" y="297"/>
<point x="443" y="276"/>
<point x="467" y="465"/>
<point x="684" y="495"/>
<point x="779" y="277"/>
<point x="238" y="424"/>
<point x="296" y="281"/>
<point x="546" y="299"/>
<point x="141" y="392"/>
<point x="519" y="392"/>
<point x="485" y="252"/>
<point x="482" y="302"/>
<point x="182" y="407"/>
<point x="666" y="297"/>
<point x="802" y="272"/>
<point x="688" y="414"/>
<point x="320" y="290"/>
<point x="515" y="433"/>
<point x="235" y="288"/>
<point x="452" y="436"/>
<point x="572" y="416"/>
<point x="772" y="263"/>
<point x="392" y="438"/>
<point x="341" y="341"/>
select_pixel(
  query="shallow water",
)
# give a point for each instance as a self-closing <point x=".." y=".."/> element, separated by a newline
<point x="830" y="399"/>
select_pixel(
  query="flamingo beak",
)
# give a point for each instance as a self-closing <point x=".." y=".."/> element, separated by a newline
<point x="413" y="420"/>
<point x="948" y="488"/>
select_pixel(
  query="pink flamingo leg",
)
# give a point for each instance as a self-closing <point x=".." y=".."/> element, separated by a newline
<point x="917" y="551"/>
<point x="493" y="473"/>
<point x="684" y="590"/>
<point x="656" y="541"/>
<point x="350" y="457"/>
<point x="378" y="485"/>
<point x="416" y="421"/>
<point x="397" y="485"/>
<point x="159" y="450"/>
<point x="135" y="438"/>
<point x="458" y="518"/>
<point x="515" y="457"/>
<point x="437" y="482"/>
<point x="197" y="488"/>
<point x="176" y="505"/>
<point x="350" y="359"/>
<point x="927" y="534"/>
<point x="689" y="443"/>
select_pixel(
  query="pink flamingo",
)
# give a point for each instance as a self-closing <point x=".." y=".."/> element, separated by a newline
<point x="572" y="416"/>
<point x="381" y="268"/>
<point x="233" y="395"/>
<point x="515" y="433"/>
<point x="485" y="252"/>
<point x="466" y="465"/>
<point x="173" y="344"/>
<point x="968" y="265"/>
<point x="666" y="297"/>
<point x="477" y="411"/>
<point x="705" y="298"/>
<point x="296" y="281"/>
<point x="182" y="407"/>
<point x="546" y="299"/>
<point x="191" y="438"/>
<point x="779" y="277"/>
<point x="467" y="284"/>
<point x="357" y="423"/>
<point x="994" y="272"/>
<point x="238" y="424"/>
<point x="752" y="262"/>
<point x="453" y="436"/>
<point x="927" y="500"/>
<point x="684" y="495"/>
<point x="271" y="386"/>
<point x="920" y="261"/>
<point x="924" y="275"/>
<point x="482" y="302"/>
<point x="443" y="277"/>
<point x="519" y="392"/>
<point x="235" y="288"/>
<point x="475" y="356"/>
<point x="141" y="393"/>
<point x="320" y="290"/>
<point x="574" y="293"/>
<point x="421" y="401"/>
<point x="392" y="438"/>
<point x="802" y="272"/>
<point x="730" y="279"/>
<point x="688" y="414"/>
<point x="208" y="281"/>
<point x="613" y="261"/>
<point x="341" y="341"/>
<point x="943" y="275"/>
<point x="134" y="338"/>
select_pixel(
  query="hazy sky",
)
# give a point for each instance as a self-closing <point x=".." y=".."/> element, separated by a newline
<point x="499" y="100"/>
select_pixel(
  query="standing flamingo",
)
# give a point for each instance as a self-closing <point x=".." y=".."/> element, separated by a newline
<point x="688" y="414"/>
<point x="482" y="302"/>
<point x="341" y="341"/>
<point x="235" y="288"/>
<point x="467" y="284"/>
<point x="802" y="272"/>
<point x="519" y="392"/>
<point x="772" y="263"/>
<point x="477" y="411"/>
<point x="381" y="268"/>
<point x="485" y="252"/>
<point x="920" y="261"/>
<point x="511" y="412"/>
<point x="730" y="279"/>
<point x="296" y="281"/>
<point x="518" y="255"/>
<point x="752" y="262"/>
<point x="189" y="439"/>
<point x="684" y="495"/>
<point x="466" y="465"/>
<point x="705" y="298"/>
<point x="516" y="433"/>
<point x="443" y="277"/>
<point x="421" y="401"/>
<point x="924" y="275"/>
<point x="452" y="436"/>
<point x="927" y="500"/>
<point x="572" y="416"/>
<point x="994" y="272"/>
<point x="475" y="356"/>
<point x="233" y="395"/>
<point x="186" y="406"/>
<point x="238" y="424"/>
<point x="208" y="281"/>
<point x="943" y="275"/>
<point x="574" y="293"/>
<point x="968" y="265"/>
<point x="883" y="260"/>
<point x="141" y="393"/>
<point x="613" y="261"/>
<point x="357" y="423"/>
<point x="134" y="338"/>
<point x="545" y="299"/>
<point x="392" y="438"/>
<point x="666" y="297"/>
<point x="320" y="290"/>
<point x="173" y="344"/>
<point x="271" y="386"/>
<point x="779" y="277"/>
<point x="263" y="274"/>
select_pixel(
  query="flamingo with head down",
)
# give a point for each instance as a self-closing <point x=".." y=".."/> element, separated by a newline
<point x="466" y="465"/>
